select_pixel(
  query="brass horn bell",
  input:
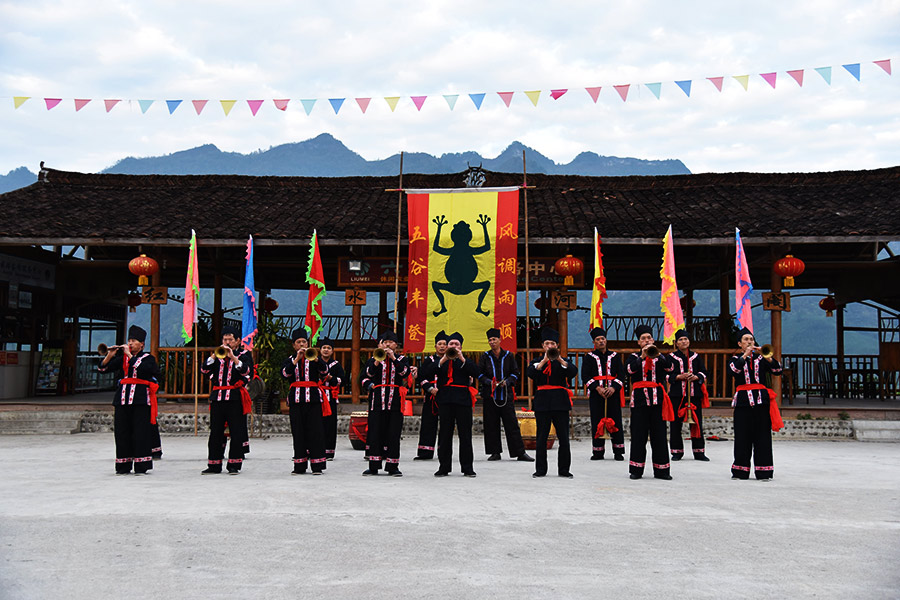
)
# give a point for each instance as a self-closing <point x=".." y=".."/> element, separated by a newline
<point x="311" y="354"/>
<point x="767" y="350"/>
<point x="553" y="353"/>
<point x="379" y="355"/>
<point x="221" y="352"/>
<point x="452" y="353"/>
<point x="652" y="351"/>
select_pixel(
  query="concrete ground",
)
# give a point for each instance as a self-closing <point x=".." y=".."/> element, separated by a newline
<point x="826" y="527"/>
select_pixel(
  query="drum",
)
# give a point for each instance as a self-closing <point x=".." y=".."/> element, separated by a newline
<point x="359" y="426"/>
<point x="528" y="427"/>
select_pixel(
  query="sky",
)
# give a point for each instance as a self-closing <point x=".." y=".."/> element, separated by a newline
<point x="228" y="50"/>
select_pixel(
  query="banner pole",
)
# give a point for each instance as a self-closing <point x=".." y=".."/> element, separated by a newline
<point x="397" y="263"/>
<point x="195" y="367"/>
<point x="527" y="282"/>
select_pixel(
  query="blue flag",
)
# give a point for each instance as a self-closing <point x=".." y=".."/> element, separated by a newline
<point x="248" y="325"/>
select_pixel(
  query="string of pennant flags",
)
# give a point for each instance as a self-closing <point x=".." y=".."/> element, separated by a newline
<point x="477" y="99"/>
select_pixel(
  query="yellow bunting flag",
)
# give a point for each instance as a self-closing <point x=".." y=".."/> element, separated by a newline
<point x="533" y="96"/>
<point x="20" y="100"/>
<point x="743" y="80"/>
<point x="392" y="101"/>
<point x="227" y="105"/>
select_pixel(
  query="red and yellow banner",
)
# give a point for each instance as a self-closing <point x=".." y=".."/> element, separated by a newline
<point x="462" y="265"/>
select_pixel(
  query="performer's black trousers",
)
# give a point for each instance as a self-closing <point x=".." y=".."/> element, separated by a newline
<point x="306" y="429"/>
<point x="232" y="412"/>
<point x="647" y="420"/>
<point x="429" y="428"/>
<point x="493" y="416"/>
<point x="459" y="415"/>
<point x="383" y="439"/>
<point x="752" y="439"/>
<point x="155" y="440"/>
<point x="329" y="427"/>
<point x="134" y="436"/>
<point x="614" y="412"/>
<point x="676" y="442"/>
<point x="560" y="420"/>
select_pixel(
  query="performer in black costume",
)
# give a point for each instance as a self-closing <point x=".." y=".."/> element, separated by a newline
<point x="306" y="402"/>
<point x="688" y="374"/>
<point x="455" y="398"/>
<point x="333" y="382"/>
<point x="387" y="391"/>
<point x="428" y="382"/>
<point x="603" y="376"/>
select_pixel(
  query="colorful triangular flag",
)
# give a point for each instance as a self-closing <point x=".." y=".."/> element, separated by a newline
<point x="656" y="88"/>
<point x="418" y="101"/>
<point x="623" y="91"/>
<point x="477" y="99"/>
<point x="770" y="78"/>
<point x="594" y="93"/>
<point x="227" y="105"/>
<point x="199" y="105"/>
<point x="716" y="81"/>
<point x="853" y="69"/>
<point x="173" y="104"/>
<point x="363" y="104"/>
<point x="52" y="102"/>
<point x="315" y="277"/>
<point x="598" y="295"/>
<point x="797" y="74"/>
<point x="81" y="103"/>
<point x="685" y="87"/>
<point x="191" y="292"/>
<point x="451" y="100"/>
<point x="533" y="96"/>
<point x="742" y="285"/>
<point x="669" y="302"/>
<point x="20" y="100"/>
<point x="336" y="104"/>
<point x="825" y="72"/>
<point x="145" y="104"/>
<point x="506" y="97"/>
<point x="744" y="80"/>
<point x="392" y="102"/>
<point x="109" y="104"/>
<point x="281" y="104"/>
<point x="884" y="64"/>
<point x="308" y="105"/>
<point x="254" y="105"/>
<point x="557" y="94"/>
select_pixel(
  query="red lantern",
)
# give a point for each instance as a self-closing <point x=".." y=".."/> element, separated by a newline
<point x="789" y="267"/>
<point x="134" y="300"/>
<point x="568" y="266"/>
<point x="270" y="305"/>
<point x="828" y="305"/>
<point x="541" y="303"/>
<point x="683" y="302"/>
<point x="144" y="267"/>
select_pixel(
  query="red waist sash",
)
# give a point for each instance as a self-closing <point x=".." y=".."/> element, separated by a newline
<point x="152" y="386"/>
<point x="472" y="391"/>
<point x="774" y="412"/>
<point x="405" y="405"/>
<point x="667" y="413"/>
<point x="326" y="406"/>
<point x="608" y="378"/>
<point x="560" y="387"/>
<point x="246" y="403"/>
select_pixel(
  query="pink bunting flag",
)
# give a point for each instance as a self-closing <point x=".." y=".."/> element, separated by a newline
<point x="80" y="103"/>
<point x="557" y="94"/>
<point x="281" y="104"/>
<point x="506" y="97"/>
<point x="770" y="78"/>
<point x="254" y="105"/>
<point x="623" y="91"/>
<point x="797" y="74"/>
<point x="716" y="81"/>
<point x="418" y="101"/>
<point x="594" y="93"/>
<point x="52" y="102"/>
<point x="363" y="104"/>
<point x="109" y="104"/>
<point x="884" y="64"/>
<point x="199" y="105"/>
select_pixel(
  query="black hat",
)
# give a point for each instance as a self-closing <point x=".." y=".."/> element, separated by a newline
<point x="597" y="332"/>
<point x="324" y="341"/>
<point x="441" y="336"/>
<point x="231" y="330"/>
<point x="388" y="336"/>
<point x="136" y="333"/>
<point x="682" y="333"/>
<point x="641" y="330"/>
<point x="493" y="332"/>
<point x="549" y="334"/>
<point x="299" y="334"/>
<point x="744" y="331"/>
<point x="456" y="336"/>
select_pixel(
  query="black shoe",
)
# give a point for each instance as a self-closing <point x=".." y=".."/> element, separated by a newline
<point x="493" y="457"/>
<point x="156" y="455"/>
<point x="318" y="472"/>
<point x="210" y="471"/>
<point x="677" y="456"/>
<point x="663" y="477"/>
<point x="567" y="475"/>
<point x="369" y="472"/>
<point x="536" y="475"/>
<point x="634" y="476"/>
<point x="298" y="472"/>
<point x="736" y="477"/>
<point x="596" y="457"/>
<point x="423" y="458"/>
<point x="123" y="472"/>
<point x="702" y="457"/>
<point x="234" y="471"/>
<point x="765" y="479"/>
<point x="620" y="457"/>
<point x="470" y="474"/>
<point x="524" y="457"/>
<point x="395" y="473"/>
<point x="142" y="472"/>
<point x="441" y="473"/>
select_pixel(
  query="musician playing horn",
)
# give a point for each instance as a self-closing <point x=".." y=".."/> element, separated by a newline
<point x="755" y="409"/>
<point x="455" y="399"/>
<point x="386" y="394"/>
<point x="306" y="403"/>
<point x="603" y="375"/>
<point x="428" y="430"/>
<point x="687" y="388"/>
<point x="333" y="382"/>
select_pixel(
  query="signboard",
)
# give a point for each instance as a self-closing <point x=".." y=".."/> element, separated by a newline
<point x="154" y="295"/>
<point x="27" y="272"/>
<point x="48" y="370"/>
<point x="563" y="300"/>
<point x="12" y="358"/>
<point x="354" y="298"/>
<point x="777" y="301"/>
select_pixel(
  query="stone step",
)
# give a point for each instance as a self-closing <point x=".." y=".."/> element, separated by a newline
<point x="877" y="431"/>
<point x="39" y="423"/>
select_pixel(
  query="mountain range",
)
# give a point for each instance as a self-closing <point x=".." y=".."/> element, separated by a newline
<point x="325" y="156"/>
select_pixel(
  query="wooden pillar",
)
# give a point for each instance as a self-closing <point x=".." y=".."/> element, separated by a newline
<point x="154" y="319"/>
<point x="688" y="307"/>
<point x="841" y="370"/>
<point x="776" y="331"/>
<point x="724" y="310"/>
<point x="354" y="353"/>
<point x="563" y="321"/>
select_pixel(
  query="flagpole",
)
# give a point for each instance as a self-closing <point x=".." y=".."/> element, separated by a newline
<point x="196" y="366"/>
<point x="527" y="280"/>
<point x="397" y="263"/>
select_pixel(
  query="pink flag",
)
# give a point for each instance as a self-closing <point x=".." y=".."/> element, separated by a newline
<point x="281" y="104"/>
<point x="109" y="104"/>
<point x="199" y="105"/>
<point x="506" y="97"/>
<point x="594" y="93"/>
<point x="254" y="105"/>
<point x="623" y="91"/>
<point x="80" y="103"/>
<point x="418" y="101"/>
<point x="797" y="75"/>
<point x="52" y="102"/>
<point x="557" y="94"/>
<point x="717" y="81"/>
<point x="884" y="64"/>
<point x="770" y="78"/>
<point x="363" y="104"/>
<point x="669" y="302"/>
<point x="742" y="286"/>
<point x="191" y="293"/>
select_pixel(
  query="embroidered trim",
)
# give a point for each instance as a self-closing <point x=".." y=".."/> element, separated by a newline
<point x="636" y="464"/>
<point x="392" y="461"/>
<point x="426" y="448"/>
<point x="235" y="461"/>
<point x="156" y="449"/>
<point x="123" y="460"/>
<point x="699" y="450"/>
<point x="373" y="458"/>
<point x="676" y="451"/>
<point x="740" y="468"/>
<point x="300" y="461"/>
<point x="764" y="468"/>
<point x="317" y="460"/>
<point x="214" y="462"/>
<point x="618" y="445"/>
<point x="665" y="466"/>
<point x="144" y="459"/>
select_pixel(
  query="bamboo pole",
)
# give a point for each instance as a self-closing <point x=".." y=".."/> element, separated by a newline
<point x="397" y="263"/>
<point x="527" y="281"/>
<point x="194" y="369"/>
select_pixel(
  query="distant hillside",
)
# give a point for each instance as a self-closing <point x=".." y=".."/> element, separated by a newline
<point x="15" y="179"/>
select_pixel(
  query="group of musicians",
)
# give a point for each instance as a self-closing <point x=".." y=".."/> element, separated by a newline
<point x="667" y="390"/>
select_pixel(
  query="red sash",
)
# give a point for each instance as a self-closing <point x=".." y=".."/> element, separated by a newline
<point x="667" y="413"/>
<point x="472" y="391"/>
<point x="608" y="378"/>
<point x="405" y="405"/>
<point x="326" y="406"/>
<point x="246" y="403"/>
<point x="152" y="386"/>
<point x="774" y="412"/>
<point x="560" y="387"/>
<point x="606" y="423"/>
<point x="682" y="414"/>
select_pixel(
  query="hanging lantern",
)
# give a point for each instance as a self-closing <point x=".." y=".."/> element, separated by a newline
<point x="144" y="267"/>
<point x="683" y="302"/>
<point x="828" y="305"/>
<point x="134" y="300"/>
<point x="789" y="267"/>
<point x="568" y="266"/>
<point x="541" y="303"/>
<point x="270" y="305"/>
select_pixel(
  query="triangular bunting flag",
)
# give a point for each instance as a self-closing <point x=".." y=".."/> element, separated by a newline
<point x="281" y="104"/>
<point x="308" y="105"/>
<point x="716" y="81"/>
<point x="557" y="94"/>
<point x="173" y="104"/>
<point x="655" y="88"/>
<point x="685" y="87"/>
<point x="392" y="102"/>
<point x="52" y="102"/>
<point x="145" y="104"/>
<point x="227" y="105"/>
<point x="884" y="64"/>
<point x="336" y="104"/>
<point x="20" y="100"/>
<point x="770" y="78"/>
<point x="797" y="74"/>
<point x="109" y="104"/>
<point x="825" y="72"/>
<point x="199" y="105"/>
<point x="853" y="69"/>
<point x="477" y="99"/>
<point x="363" y="104"/>
<point x="80" y="103"/>
<point x="622" y="91"/>
<point x="451" y="100"/>
<point x="743" y="80"/>
<point x="418" y="101"/>
<point x="533" y="96"/>
<point x="594" y="93"/>
<point x="506" y="97"/>
<point x="254" y="105"/>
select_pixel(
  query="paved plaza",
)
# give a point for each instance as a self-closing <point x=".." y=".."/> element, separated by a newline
<point x="828" y="526"/>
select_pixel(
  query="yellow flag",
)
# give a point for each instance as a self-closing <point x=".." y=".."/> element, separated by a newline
<point x="227" y="105"/>
<point x="392" y="101"/>
<point x="20" y="100"/>
<point x="743" y="80"/>
<point x="533" y="96"/>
